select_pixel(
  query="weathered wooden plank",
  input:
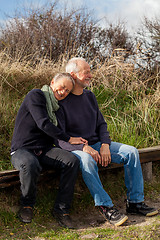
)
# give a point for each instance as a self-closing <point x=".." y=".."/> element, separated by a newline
<point x="146" y="155"/>
<point x="9" y="184"/>
<point x="12" y="172"/>
<point x="150" y="149"/>
<point x="11" y="177"/>
<point x="149" y="154"/>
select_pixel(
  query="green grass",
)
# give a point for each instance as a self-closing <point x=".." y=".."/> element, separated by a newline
<point x="44" y="226"/>
<point x="129" y="120"/>
<point x="41" y="233"/>
<point x="130" y="104"/>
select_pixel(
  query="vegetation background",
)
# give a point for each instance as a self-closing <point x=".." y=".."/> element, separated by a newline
<point x="126" y="81"/>
<point x="126" y="74"/>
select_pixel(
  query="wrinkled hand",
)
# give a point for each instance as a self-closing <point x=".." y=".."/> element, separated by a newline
<point x="105" y="155"/>
<point x="92" y="152"/>
<point x="77" y="140"/>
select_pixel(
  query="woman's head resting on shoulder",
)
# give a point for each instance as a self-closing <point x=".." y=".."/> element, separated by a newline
<point x="62" y="84"/>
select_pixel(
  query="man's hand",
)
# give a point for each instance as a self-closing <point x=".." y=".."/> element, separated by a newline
<point x="105" y="155"/>
<point x="77" y="140"/>
<point x="92" y="152"/>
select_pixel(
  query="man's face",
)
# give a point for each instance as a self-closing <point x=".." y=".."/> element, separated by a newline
<point x="84" y="75"/>
<point x="61" y="88"/>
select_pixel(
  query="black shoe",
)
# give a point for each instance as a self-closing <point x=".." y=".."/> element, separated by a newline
<point x="112" y="215"/>
<point x="140" y="208"/>
<point x="63" y="219"/>
<point x="25" y="214"/>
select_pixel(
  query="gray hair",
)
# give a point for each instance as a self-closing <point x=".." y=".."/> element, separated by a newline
<point x="72" y="65"/>
<point x="64" y="75"/>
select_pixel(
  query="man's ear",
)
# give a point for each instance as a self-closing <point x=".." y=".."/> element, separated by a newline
<point x="74" y="75"/>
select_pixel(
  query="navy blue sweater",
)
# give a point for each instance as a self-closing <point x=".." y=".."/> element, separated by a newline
<point x="33" y="129"/>
<point x="79" y="116"/>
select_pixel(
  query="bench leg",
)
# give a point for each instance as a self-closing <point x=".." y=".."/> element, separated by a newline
<point x="147" y="171"/>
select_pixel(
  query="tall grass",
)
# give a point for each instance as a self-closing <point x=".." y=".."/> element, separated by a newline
<point x="128" y="98"/>
<point x="130" y="101"/>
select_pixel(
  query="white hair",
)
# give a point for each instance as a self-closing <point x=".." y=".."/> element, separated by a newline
<point x="59" y="76"/>
<point x="72" y="65"/>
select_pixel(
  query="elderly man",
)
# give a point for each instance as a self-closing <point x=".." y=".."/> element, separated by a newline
<point x="34" y="147"/>
<point x="79" y="115"/>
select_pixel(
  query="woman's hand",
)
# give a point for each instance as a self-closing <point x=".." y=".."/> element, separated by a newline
<point x="77" y="140"/>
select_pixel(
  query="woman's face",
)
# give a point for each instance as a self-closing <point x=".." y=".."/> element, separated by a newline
<point x="61" y="88"/>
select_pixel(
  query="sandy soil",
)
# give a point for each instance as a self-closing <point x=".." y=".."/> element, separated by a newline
<point x="95" y="219"/>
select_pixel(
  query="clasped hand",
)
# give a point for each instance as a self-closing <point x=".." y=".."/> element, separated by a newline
<point x="77" y="140"/>
<point x="103" y="158"/>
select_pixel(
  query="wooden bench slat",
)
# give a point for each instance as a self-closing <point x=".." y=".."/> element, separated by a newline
<point x="11" y="177"/>
<point x="9" y="173"/>
<point x="149" y="154"/>
<point x="149" y="149"/>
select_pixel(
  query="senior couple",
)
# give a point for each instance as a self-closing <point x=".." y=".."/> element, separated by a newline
<point x="60" y="126"/>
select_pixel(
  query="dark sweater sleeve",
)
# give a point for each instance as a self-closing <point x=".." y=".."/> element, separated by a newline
<point x="37" y="108"/>
<point x="70" y="147"/>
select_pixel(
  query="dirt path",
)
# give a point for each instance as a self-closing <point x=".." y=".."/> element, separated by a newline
<point x="95" y="219"/>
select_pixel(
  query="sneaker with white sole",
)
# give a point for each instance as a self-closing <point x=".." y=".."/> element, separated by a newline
<point x="113" y="215"/>
<point x="140" y="208"/>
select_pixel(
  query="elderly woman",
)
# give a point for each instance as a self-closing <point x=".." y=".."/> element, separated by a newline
<point x="34" y="146"/>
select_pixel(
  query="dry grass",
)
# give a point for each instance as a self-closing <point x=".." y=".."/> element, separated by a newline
<point x="15" y="73"/>
<point x="128" y="98"/>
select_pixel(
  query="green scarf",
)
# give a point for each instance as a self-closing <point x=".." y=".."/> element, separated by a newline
<point x="51" y="103"/>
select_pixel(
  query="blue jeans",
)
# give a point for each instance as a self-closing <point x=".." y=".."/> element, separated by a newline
<point x="120" y="153"/>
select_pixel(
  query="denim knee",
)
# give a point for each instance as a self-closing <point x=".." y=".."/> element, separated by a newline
<point x="86" y="160"/>
<point x="133" y="153"/>
<point x="133" y="150"/>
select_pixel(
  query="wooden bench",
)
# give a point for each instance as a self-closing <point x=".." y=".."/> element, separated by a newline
<point x="147" y="156"/>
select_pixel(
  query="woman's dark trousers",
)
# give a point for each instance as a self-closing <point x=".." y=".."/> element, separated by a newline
<point x="30" y="165"/>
